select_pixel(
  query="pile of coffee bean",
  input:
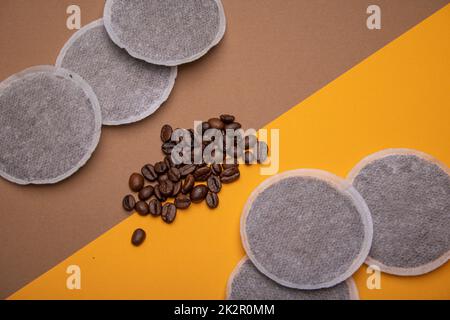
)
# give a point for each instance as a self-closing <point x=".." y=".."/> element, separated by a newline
<point x="157" y="183"/>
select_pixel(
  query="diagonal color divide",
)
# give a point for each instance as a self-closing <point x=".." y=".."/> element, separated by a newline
<point x="396" y="98"/>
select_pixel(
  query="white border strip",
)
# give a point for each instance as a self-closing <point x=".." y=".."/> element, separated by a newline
<point x="401" y="151"/>
<point x="341" y="185"/>
<point x="170" y="63"/>
<point x="78" y="81"/>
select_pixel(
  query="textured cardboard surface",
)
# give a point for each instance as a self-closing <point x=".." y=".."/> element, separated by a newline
<point x="274" y="54"/>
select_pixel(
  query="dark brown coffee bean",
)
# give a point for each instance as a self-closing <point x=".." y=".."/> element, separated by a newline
<point x="199" y="193"/>
<point x="142" y="208"/>
<point x="230" y="179"/>
<point x="216" y="123"/>
<point x="263" y="151"/>
<point x="169" y="212"/>
<point x="174" y="174"/>
<point x="138" y="237"/>
<point x="145" y="193"/>
<point x="187" y="169"/>
<point x="250" y="141"/>
<point x="136" y="182"/>
<point x="166" y="133"/>
<point x="158" y="194"/>
<point x="160" y="167"/>
<point x="155" y="207"/>
<point x="167" y="147"/>
<point x="233" y="126"/>
<point x="212" y="200"/>
<point x="168" y="161"/>
<point x="226" y="166"/>
<point x="128" y="202"/>
<point x="229" y="172"/>
<point x="227" y="118"/>
<point x="176" y="188"/>
<point x="166" y="188"/>
<point x="188" y="184"/>
<point x="182" y="201"/>
<point x="149" y="173"/>
<point x="214" y="184"/>
<point x="162" y="178"/>
<point x="249" y="157"/>
<point x="216" y="169"/>
<point x="202" y="174"/>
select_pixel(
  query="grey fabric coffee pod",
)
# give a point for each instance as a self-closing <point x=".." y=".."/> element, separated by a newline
<point x="170" y="32"/>
<point x="408" y="194"/>
<point x="247" y="283"/>
<point x="128" y="89"/>
<point x="306" y="229"/>
<point x="50" y="124"/>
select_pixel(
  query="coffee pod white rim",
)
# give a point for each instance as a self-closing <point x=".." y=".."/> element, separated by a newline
<point x="341" y="185"/>
<point x="78" y="81"/>
<point x="423" y="269"/>
<point x="169" y="63"/>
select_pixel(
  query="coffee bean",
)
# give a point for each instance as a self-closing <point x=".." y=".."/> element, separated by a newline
<point x="188" y="184"/>
<point x="136" y="182"/>
<point x="168" y="161"/>
<point x="216" y="123"/>
<point x="212" y="200"/>
<point x="263" y="151"/>
<point x="216" y="169"/>
<point x="229" y="171"/>
<point x="250" y="141"/>
<point x="167" y="147"/>
<point x="158" y="194"/>
<point x="145" y="193"/>
<point x="233" y="126"/>
<point x="128" y="202"/>
<point x="160" y="167"/>
<point x="169" y="212"/>
<point x="182" y="201"/>
<point x="138" y="237"/>
<point x="226" y="166"/>
<point x="214" y="184"/>
<point x="149" y="173"/>
<point x="142" y="208"/>
<point x="155" y="207"/>
<point x="205" y="126"/>
<point x="174" y="174"/>
<point x="162" y="178"/>
<point x="176" y="188"/>
<point x="199" y="193"/>
<point x="166" y="188"/>
<point x="230" y="179"/>
<point x="166" y="133"/>
<point x="227" y="118"/>
<point x="187" y="169"/>
<point x="202" y="174"/>
<point x="249" y="157"/>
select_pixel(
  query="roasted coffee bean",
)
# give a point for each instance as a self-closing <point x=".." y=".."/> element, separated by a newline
<point x="176" y="188"/>
<point x="168" y="161"/>
<point x="128" y="202"/>
<point x="187" y="169"/>
<point x="250" y="141"/>
<point x="167" y="147"/>
<point x="202" y="174"/>
<point x="158" y="194"/>
<point x="166" y="133"/>
<point x="199" y="193"/>
<point x="230" y="179"/>
<point x="249" y="157"/>
<point x="142" y="208"/>
<point x="169" y="212"/>
<point x="212" y="200"/>
<point x="149" y="173"/>
<point x="230" y="171"/>
<point x="155" y="207"/>
<point x="145" y="193"/>
<point x="174" y="174"/>
<point x="138" y="237"/>
<point x="188" y="184"/>
<point x="216" y="169"/>
<point x="233" y="126"/>
<point x="227" y="118"/>
<point x="263" y="151"/>
<point x="216" y="123"/>
<point x="182" y="201"/>
<point x="160" y="167"/>
<point x="226" y="166"/>
<point x="162" y="178"/>
<point x="214" y="184"/>
<point x="136" y="182"/>
<point x="166" y="188"/>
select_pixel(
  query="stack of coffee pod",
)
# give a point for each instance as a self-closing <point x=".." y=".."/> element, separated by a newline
<point x="306" y="232"/>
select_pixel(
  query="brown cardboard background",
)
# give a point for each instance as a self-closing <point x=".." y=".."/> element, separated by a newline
<point x="275" y="54"/>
